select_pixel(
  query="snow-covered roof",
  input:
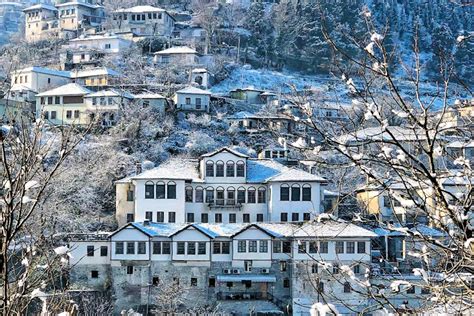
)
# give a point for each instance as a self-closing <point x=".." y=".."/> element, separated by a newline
<point x="177" y="50"/>
<point x="41" y="6"/>
<point x="248" y="115"/>
<point x="229" y="150"/>
<point x="67" y="89"/>
<point x="111" y="93"/>
<point x="140" y="9"/>
<point x="461" y="144"/>
<point x="400" y="133"/>
<point x="20" y="87"/>
<point x="427" y="231"/>
<point x="193" y="90"/>
<point x="95" y="38"/>
<point x="199" y="70"/>
<point x="262" y="171"/>
<point x="174" y="168"/>
<point x="157" y="229"/>
<point x="332" y="228"/>
<point x="93" y="72"/>
<point x="149" y="95"/>
<point x="46" y="71"/>
<point x="76" y="3"/>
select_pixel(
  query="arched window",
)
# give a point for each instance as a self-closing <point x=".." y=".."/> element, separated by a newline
<point x="209" y="169"/>
<point x="230" y="196"/>
<point x="295" y="192"/>
<point x="160" y="190"/>
<point x="209" y="195"/>
<point x="230" y="170"/>
<point x="241" y="195"/>
<point x="240" y="168"/>
<point x="219" y="169"/>
<point x="149" y="190"/>
<point x="284" y="192"/>
<point x="189" y="194"/>
<point x="306" y="192"/>
<point x="220" y="198"/>
<point x="171" y="190"/>
<point x="262" y="195"/>
<point x="199" y="195"/>
<point x="251" y="195"/>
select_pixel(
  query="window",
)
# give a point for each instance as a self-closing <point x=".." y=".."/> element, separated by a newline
<point x="251" y="195"/>
<point x="103" y="251"/>
<point x="225" y="247"/>
<point x="263" y="246"/>
<point x="361" y="247"/>
<point x="284" y="192"/>
<point x="386" y="201"/>
<point x="191" y="248"/>
<point x="204" y="218"/>
<point x="130" y="248"/>
<point x="107" y="46"/>
<point x="240" y="169"/>
<point x="76" y="114"/>
<point x="356" y="269"/>
<point x="160" y="217"/>
<point x="50" y="99"/>
<point x="216" y="247"/>
<point x="306" y="217"/>
<point x="171" y="190"/>
<point x="119" y="248"/>
<point x="321" y="287"/>
<point x="190" y="217"/>
<point x="425" y="290"/>
<point x="194" y="281"/>
<point x="314" y="268"/>
<point x="335" y="268"/>
<point x="339" y="247"/>
<point x="129" y="270"/>
<point x="57" y="100"/>
<point x="201" y="248"/>
<point x="189" y="194"/>
<point x="241" y="246"/>
<point x="219" y="169"/>
<point x="323" y="247"/>
<point x="129" y="195"/>
<point x="302" y="247"/>
<point x="232" y="218"/>
<point x="287" y="247"/>
<point x="230" y="170"/>
<point x="209" y="169"/>
<point x="166" y="247"/>
<point x="262" y="196"/>
<point x="212" y="282"/>
<point x="350" y="247"/>
<point x="283" y="266"/>
<point x="246" y="218"/>
<point x="94" y="274"/>
<point x="347" y="287"/>
<point x="286" y="283"/>
<point x="313" y="247"/>
<point x="252" y="246"/>
<point x="411" y="289"/>
<point x="198" y="103"/>
<point x="53" y="115"/>
<point x="241" y="195"/>
<point x="90" y="251"/>
<point x="188" y="101"/>
<point x="155" y="281"/>
<point x="199" y="195"/>
<point x="149" y="190"/>
<point x="157" y="247"/>
<point x="180" y="249"/>
<point x="284" y="217"/>
<point x="209" y="195"/>
<point x="149" y="216"/>
<point x="230" y="196"/>
<point x="141" y="248"/>
<point x="248" y="268"/>
<point x="46" y="115"/>
<point x="295" y="192"/>
<point x="306" y="192"/>
<point x="276" y="246"/>
<point x="218" y="218"/>
<point x="259" y="218"/>
<point x="220" y="200"/>
<point x="295" y="217"/>
<point x="171" y="217"/>
<point x="130" y="217"/>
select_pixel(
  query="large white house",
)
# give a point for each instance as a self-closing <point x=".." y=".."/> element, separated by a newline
<point x="192" y="99"/>
<point x="144" y="20"/>
<point x="223" y="186"/>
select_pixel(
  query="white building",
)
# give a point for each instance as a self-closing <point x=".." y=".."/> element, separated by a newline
<point x="41" y="22"/>
<point x="192" y="99"/>
<point x="223" y="186"/>
<point x="154" y="100"/>
<point x="177" y="56"/>
<point x="144" y="20"/>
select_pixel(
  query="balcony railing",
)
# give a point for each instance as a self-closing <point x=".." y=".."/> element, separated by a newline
<point x="223" y="203"/>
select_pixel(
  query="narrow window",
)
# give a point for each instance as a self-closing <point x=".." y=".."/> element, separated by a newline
<point x="306" y="192"/>
<point x="141" y="248"/>
<point x="191" y="248"/>
<point x="230" y="170"/>
<point x="157" y="247"/>
<point x="218" y="218"/>
<point x="361" y="247"/>
<point x="209" y="169"/>
<point x="306" y="217"/>
<point x="295" y="217"/>
<point x="201" y="248"/>
<point x="155" y="281"/>
<point x="286" y="283"/>
<point x="171" y="190"/>
<point x="119" y="248"/>
<point x="149" y="216"/>
<point x="189" y="194"/>
<point x="90" y="251"/>
<point x="284" y="192"/>
<point x="230" y="196"/>
<point x="284" y="217"/>
<point x="241" y="195"/>
<point x="130" y="248"/>
<point x="209" y="195"/>
<point x="295" y="192"/>
<point x="129" y="269"/>
<point x="302" y="247"/>
<point x="287" y="247"/>
<point x="129" y="195"/>
<point x="166" y="247"/>
<point x="149" y="190"/>
<point x="259" y="218"/>
<point x="251" y="195"/>
<point x="94" y="274"/>
<point x="313" y="247"/>
<point x="171" y="217"/>
<point x="180" y="248"/>
<point x="130" y="217"/>
<point x="232" y="218"/>
<point x="323" y="247"/>
<point x="160" y="190"/>
<point x="252" y="246"/>
<point x="350" y="247"/>
<point x="190" y="217"/>
<point x="212" y="282"/>
<point x="263" y="246"/>
<point x="283" y="266"/>
<point x="339" y="247"/>
<point x="241" y="246"/>
<point x="226" y="247"/>
<point x="314" y="268"/>
<point x="103" y="251"/>
<point x="204" y="218"/>
<point x="262" y="196"/>
<point x="219" y="169"/>
<point x="246" y="218"/>
<point x="199" y="195"/>
<point x="160" y="217"/>
<point x="240" y="169"/>
<point x="194" y="281"/>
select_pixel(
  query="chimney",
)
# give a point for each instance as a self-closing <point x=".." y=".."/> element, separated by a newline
<point x="138" y="168"/>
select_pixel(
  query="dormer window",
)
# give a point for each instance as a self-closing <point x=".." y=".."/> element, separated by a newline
<point x="220" y="169"/>
<point x="230" y="171"/>
<point x="209" y="169"/>
<point x="240" y="169"/>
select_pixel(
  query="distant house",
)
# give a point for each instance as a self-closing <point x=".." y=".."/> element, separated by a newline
<point x="144" y="20"/>
<point x="457" y="149"/>
<point x="154" y="100"/>
<point x="177" y="55"/>
<point x="200" y="76"/>
<point x="460" y="115"/>
<point x="106" y="105"/>
<point x="192" y="99"/>
<point x="249" y="95"/>
<point x="185" y="34"/>
<point x="80" y="14"/>
<point x="41" y="22"/>
<point x="95" y="77"/>
<point x="250" y="122"/>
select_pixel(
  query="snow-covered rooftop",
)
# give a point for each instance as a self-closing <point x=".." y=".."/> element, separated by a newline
<point x="461" y="144"/>
<point x="93" y="72"/>
<point x="174" y="168"/>
<point x="229" y="150"/>
<point x="140" y="9"/>
<point x="67" y="89"/>
<point x="41" y="6"/>
<point x="193" y="90"/>
<point x="262" y="171"/>
<point x="399" y="133"/>
<point x="46" y="71"/>
<point x="332" y="228"/>
<point x="149" y="95"/>
<point x="177" y="50"/>
<point x="77" y="3"/>
<point x="95" y="38"/>
<point x="111" y="93"/>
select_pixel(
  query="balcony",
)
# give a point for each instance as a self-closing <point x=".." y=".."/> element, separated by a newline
<point x="224" y="203"/>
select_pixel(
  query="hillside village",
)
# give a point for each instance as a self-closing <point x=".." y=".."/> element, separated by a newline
<point x="177" y="188"/>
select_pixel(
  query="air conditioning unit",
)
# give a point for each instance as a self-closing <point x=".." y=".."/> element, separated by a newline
<point x="227" y="271"/>
<point x="236" y="271"/>
<point x="265" y="271"/>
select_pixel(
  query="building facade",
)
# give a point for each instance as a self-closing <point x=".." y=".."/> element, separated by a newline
<point x="144" y="20"/>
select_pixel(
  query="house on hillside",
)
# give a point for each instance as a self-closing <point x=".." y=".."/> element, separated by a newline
<point x="249" y="95"/>
<point x="154" y="100"/>
<point x="107" y="105"/>
<point x="223" y="186"/>
<point x="144" y="20"/>
<point x="177" y="56"/>
<point x="459" y="149"/>
<point x="95" y="77"/>
<point x="41" y="22"/>
<point x="79" y="15"/>
<point x="192" y="99"/>
<point x="254" y="122"/>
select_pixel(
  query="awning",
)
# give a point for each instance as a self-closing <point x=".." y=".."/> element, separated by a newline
<point x="246" y="277"/>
